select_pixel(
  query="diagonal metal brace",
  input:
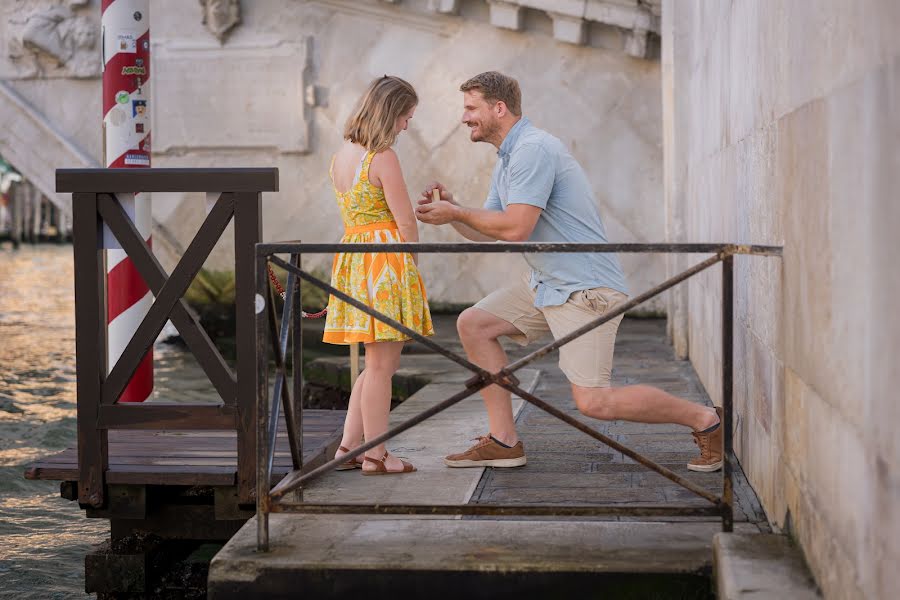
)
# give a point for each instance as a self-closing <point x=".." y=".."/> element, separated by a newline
<point x="379" y="316"/>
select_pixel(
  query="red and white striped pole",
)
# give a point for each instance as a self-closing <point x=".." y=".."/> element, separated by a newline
<point x="125" y="28"/>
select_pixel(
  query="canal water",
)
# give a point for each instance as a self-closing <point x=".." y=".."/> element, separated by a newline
<point x="43" y="538"/>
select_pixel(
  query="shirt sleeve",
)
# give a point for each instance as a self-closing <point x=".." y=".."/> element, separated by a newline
<point x="532" y="172"/>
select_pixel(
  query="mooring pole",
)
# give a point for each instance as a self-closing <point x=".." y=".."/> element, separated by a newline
<point x="125" y="26"/>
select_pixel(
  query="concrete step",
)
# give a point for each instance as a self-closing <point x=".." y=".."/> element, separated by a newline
<point x="356" y="556"/>
<point x="316" y="556"/>
<point x="761" y="567"/>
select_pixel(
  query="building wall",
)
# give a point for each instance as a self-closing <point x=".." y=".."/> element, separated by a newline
<point x="781" y="127"/>
<point x="278" y="88"/>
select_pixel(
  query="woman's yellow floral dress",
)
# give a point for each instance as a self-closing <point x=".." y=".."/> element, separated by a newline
<point x="388" y="282"/>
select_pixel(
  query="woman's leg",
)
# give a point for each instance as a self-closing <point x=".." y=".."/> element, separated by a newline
<point x="382" y="361"/>
<point x="353" y="423"/>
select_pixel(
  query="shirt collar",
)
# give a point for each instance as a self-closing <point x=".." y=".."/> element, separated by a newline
<point x="511" y="137"/>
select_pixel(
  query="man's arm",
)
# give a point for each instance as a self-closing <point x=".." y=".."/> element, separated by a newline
<point x="461" y="228"/>
<point x="514" y="224"/>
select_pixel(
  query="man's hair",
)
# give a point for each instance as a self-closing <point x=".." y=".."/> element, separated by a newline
<point x="496" y="87"/>
<point x="371" y="125"/>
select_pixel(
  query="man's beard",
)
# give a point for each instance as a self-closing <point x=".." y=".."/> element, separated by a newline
<point x="485" y="132"/>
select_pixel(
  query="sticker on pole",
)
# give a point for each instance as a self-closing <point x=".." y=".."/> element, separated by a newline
<point x="126" y="41"/>
<point x="260" y="304"/>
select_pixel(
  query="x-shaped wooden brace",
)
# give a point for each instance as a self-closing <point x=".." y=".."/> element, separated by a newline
<point x="169" y="303"/>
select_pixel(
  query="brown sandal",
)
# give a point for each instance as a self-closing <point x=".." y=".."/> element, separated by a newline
<point x="350" y="464"/>
<point x="381" y="469"/>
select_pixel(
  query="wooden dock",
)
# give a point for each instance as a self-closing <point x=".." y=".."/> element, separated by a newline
<point x="192" y="458"/>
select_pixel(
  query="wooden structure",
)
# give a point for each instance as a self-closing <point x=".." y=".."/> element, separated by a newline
<point x="177" y="470"/>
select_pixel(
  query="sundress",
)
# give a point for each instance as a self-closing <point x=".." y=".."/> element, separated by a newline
<point x="388" y="282"/>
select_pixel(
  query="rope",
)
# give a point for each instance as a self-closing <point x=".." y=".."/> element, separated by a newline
<point x="274" y="279"/>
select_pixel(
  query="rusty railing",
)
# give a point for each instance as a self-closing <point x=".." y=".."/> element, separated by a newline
<point x="275" y="499"/>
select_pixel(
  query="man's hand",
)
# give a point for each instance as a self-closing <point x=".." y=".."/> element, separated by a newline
<point x="428" y="194"/>
<point x="437" y="213"/>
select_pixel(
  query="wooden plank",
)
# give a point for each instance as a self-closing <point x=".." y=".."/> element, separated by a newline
<point x="173" y="416"/>
<point x="187" y="475"/>
<point x="90" y="347"/>
<point x="205" y="457"/>
<point x="167" y="180"/>
<point x="174" y="288"/>
<point x="183" y="317"/>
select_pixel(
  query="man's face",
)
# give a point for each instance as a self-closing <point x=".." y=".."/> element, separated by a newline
<point x="479" y="116"/>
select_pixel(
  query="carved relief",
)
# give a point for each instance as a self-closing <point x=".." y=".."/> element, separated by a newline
<point x="221" y="16"/>
<point x="54" y="41"/>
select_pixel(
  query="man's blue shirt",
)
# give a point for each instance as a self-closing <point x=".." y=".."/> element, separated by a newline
<point x="535" y="168"/>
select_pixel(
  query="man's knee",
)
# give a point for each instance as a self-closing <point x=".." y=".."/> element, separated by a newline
<point x="472" y="324"/>
<point x="594" y="402"/>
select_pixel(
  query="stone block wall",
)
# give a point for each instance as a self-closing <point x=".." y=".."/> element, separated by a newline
<point x="781" y="127"/>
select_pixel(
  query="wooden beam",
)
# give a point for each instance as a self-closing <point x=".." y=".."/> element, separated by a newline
<point x="167" y="180"/>
<point x="167" y="416"/>
<point x="250" y="331"/>
<point x="90" y="348"/>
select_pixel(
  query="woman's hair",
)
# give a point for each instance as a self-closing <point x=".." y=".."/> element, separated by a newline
<point x="372" y="122"/>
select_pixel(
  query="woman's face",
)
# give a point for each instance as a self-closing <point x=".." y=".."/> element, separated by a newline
<point x="403" y="122"/>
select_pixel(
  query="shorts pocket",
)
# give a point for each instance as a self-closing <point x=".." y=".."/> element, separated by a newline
<point x="594" y="300"/>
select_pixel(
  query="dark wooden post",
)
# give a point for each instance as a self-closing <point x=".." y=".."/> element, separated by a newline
<point x="90" y="348"/>
<point x="247" y="233"/>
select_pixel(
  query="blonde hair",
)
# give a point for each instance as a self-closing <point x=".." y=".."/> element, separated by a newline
<point x="495" y="87"/>
<point x="372" y="122"/>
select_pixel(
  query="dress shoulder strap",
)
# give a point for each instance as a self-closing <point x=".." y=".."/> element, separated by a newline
<point x="367" y="162"/>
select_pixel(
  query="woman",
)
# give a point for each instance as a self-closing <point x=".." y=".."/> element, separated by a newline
<point x="376" y="208"/>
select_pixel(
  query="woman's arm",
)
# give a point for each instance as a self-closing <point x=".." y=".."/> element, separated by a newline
<point x="386" y="170"/>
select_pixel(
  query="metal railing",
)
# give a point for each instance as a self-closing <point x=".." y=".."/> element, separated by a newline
<point x="275" y="499"/>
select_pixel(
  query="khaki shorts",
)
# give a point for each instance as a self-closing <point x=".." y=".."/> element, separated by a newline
<point x="586" y="360"/>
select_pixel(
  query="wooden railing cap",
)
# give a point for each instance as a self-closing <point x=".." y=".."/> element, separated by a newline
<point x="167" y="180"/>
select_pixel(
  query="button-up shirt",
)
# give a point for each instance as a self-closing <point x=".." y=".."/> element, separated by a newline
<point x="535" y="168"/>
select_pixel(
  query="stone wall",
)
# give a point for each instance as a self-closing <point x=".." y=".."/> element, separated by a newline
<point x="275" y="90"/>
<point x="781" y="127"/>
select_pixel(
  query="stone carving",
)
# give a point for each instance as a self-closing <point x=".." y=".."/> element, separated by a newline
<point x="221" y="16"/>
<point x="54" y="41"/>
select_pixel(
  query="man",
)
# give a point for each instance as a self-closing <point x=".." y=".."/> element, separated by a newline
<point x="540" y="193"/>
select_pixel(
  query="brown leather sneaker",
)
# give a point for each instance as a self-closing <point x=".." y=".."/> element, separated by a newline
<point x="488" y="453"/>
<point x="710" y="444"/>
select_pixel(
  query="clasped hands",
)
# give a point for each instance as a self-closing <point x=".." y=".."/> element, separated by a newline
<point x="439" y="212"/>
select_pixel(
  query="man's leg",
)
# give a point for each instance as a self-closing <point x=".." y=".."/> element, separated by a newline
<point x="642" y="404"/>
<point x="479" y="331"/>
<point x="507" y="312"/>
<point x="587" y="362"/>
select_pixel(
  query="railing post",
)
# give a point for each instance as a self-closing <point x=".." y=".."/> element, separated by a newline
<point x="261" y="400"/>
<point x="297" y="366"/>
<point x="247" y="233"/>
<point x="90" y="344"/>
<point x="727" y="389"/>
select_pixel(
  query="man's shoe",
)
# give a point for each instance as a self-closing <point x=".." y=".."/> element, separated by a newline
<point x="488" y="453"/>
<point x="710" y="444"/>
